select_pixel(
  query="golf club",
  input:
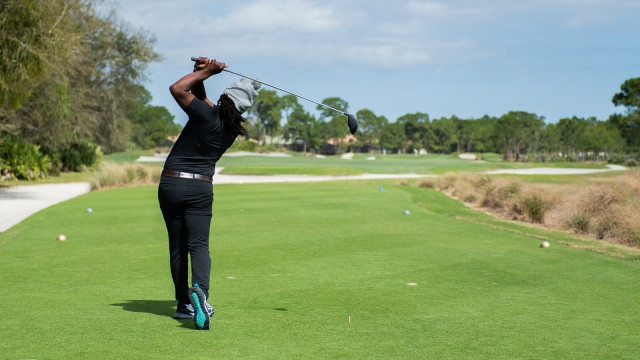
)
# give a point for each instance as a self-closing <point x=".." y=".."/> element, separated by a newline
<point x="351" y="120"/>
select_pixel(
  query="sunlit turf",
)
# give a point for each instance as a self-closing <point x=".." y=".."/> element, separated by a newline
<point x="313" y="271"/>
<point x="288" y="170"/>
<point x="330" y="165"/>
<point x="129" y="156"/>
<point x="389" y="164"/>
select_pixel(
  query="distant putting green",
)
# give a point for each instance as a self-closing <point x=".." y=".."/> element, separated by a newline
<point x="313" y="271"/>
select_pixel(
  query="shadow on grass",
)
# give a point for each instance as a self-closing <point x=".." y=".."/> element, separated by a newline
<point x="155" y="307"/>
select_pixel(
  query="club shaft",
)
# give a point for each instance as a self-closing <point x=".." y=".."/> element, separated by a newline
<point x="288" y="92"/>
<point x="193" y="58"/>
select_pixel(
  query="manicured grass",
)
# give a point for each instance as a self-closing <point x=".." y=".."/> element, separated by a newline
<point x="292" y="263"/>
<point x="390" y="164"/>
<point x="129" y="156"/>
<point x="288" y="170"/>
<point x="331" y="165"/>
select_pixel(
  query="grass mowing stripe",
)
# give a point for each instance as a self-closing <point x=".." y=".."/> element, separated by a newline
<point x="292" y="263"/>
<point x="289" y="170"/>
<point x="390" y="164"/>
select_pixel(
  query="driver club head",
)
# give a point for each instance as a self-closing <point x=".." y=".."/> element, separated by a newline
<point x="353" y="123"/>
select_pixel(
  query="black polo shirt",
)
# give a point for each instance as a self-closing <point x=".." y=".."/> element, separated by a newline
<point x="202" y="142"/>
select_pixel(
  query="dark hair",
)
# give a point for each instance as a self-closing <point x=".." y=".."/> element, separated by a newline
<point x="231" y="116"/>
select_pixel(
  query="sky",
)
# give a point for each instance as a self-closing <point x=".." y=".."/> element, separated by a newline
<point x="554" y="58"/>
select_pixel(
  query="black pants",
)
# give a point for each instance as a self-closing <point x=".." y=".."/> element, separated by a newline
<point x="186" y="208"/>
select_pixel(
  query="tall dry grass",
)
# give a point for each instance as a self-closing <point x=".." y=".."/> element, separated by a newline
<point x="110" y="175"/>
<point x="609" y="210"/>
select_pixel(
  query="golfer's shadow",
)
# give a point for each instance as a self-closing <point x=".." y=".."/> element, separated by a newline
<point x="156" y="307"/>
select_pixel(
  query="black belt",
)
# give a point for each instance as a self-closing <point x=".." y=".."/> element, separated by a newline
<point x="186" y="175"/>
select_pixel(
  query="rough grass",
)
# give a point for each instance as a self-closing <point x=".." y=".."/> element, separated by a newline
<point x="605" y="207"/>
<point x="313" y="271"/>
<point x="111" y="174"/>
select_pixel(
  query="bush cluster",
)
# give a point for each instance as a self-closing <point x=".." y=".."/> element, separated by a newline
<point x="610" y="212"/>
<point x="24" y="161"/>
<point x="110" y="175"/>
<point x="21" y="160"/>
<point x="244" y="145"/>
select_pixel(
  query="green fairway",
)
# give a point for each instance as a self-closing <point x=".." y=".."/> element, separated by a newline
<point x="390" y="164"/>
<point x="313" y="271"/>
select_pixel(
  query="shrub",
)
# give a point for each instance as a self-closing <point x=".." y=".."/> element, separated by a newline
<point x="462" y="187"/>
<point x="578" y="221"/>
<point x="617" y="158"/>
<point x="534" y="206"/>
<point x="403" y="182"/>
<point x="627" y="229"/>
<point x="631" y="162"/>
<point x="244" y="145"/>
<point x="501" y="193"/>
<point x="426" y="184"/>
<point x="470" y="197"/>
<point x="21" y="160"/>
<point x="480" y="181"/>
<point x="55" y="161"/>
<point x="78" y="157"/>
<point x="488" y="198"/>
<point x="511" y="188"/>
<point x="598" y="199"/>
<point x="112" y="175"/>
<point x="447" y="181"/>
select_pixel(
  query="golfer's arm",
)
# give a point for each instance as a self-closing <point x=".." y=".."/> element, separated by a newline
<point x="199" y="92"/>
<point x="182" y="89"/>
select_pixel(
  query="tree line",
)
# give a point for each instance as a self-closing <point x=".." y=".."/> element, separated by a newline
<point x="71" y="75"/>
<point x="71" y="72"/>
<point x="517" y="135"/>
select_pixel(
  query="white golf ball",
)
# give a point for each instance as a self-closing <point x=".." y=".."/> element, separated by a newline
<point x="406" y="212"/>
<point x="89" y="210"/>
<point x="62" y="237"/>
<point x="545" y="244"/>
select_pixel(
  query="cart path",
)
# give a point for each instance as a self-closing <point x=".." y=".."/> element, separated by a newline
<point x="19" y="202"/>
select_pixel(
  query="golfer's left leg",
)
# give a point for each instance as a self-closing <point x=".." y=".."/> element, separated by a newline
<point x="198" y="226"/>
<point x="197" y="219"/>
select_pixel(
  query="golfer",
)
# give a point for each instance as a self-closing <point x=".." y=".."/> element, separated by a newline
<point x="185" y="192"/>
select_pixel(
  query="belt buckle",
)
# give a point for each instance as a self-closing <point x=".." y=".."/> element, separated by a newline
<point x="185" y="175"/>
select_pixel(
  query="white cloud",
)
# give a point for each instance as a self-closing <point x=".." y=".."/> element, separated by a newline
<point x="587" y="19"/>
<point x="267" y="16"/>
<point x="427" y="8"/>
<point x="386" y="55"/>
<point x="372" y="33"/>
<point x="446" y="11"/>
